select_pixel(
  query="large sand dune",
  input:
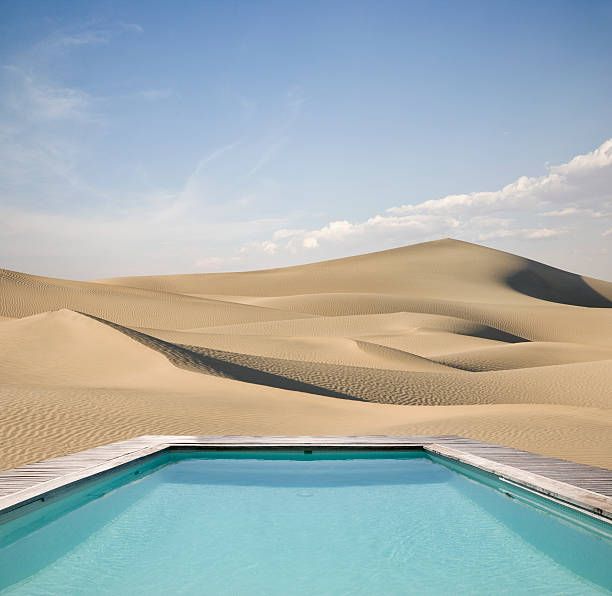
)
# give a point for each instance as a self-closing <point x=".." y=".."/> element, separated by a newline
<point x="441" y="337"/>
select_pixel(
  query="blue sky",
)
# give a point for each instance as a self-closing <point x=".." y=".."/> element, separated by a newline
<point x="164" y="137"/>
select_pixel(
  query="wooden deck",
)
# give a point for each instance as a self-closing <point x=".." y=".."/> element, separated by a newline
<point x="584" y="487"/>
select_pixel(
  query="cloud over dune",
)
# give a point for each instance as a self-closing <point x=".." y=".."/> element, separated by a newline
<point x="571" y="203"/>
<point x="577" y="191"/>
<point x="128" y="148"/>
<point x="219" y="215"/>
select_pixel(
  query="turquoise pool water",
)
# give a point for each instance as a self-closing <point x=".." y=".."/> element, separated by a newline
<point x="293" y="523"/>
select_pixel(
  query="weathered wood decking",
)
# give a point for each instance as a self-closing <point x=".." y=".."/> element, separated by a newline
<point x="586" y="487"/>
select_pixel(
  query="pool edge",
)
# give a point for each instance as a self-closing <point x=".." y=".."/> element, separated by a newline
<point x="567" y="494"/>
<point x="51" y="478"/>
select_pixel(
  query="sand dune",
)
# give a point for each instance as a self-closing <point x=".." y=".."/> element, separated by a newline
<point x="64" y="348"/>
<point x="24" y="295"/>
<point x="421" y="270"/>
<point x="330" y="350"/>
<point x="363" y="326"/>
<point x="441" y="337"/>
<point x="524" y="355"/>
<point x="538" y="321"/>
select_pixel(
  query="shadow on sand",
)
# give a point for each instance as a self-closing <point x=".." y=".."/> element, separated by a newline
<point x="554" y="285"/>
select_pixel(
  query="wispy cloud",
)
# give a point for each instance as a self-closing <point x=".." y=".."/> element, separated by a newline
<point x="154" y="94"/>
<point x="576" y="211"/>
<point x="85" y="35"/>
<point x="132" y="27"/>
<point x="82" y="39"/>
<point x="219" y="213"/>
<point x="166" y="235"/>
<point x="527" y="233"/>
<point x="47" y="195"/>
<point x="271" y="148"/>
<point x="195" y="186"/>
<point x="47" y="126"/>
<point x="42" y="127"/>
<point x="34" y="99"/>
<point x="294" y="100"/>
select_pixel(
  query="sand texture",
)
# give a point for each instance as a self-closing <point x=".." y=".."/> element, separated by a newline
<point x="443" y="337"/>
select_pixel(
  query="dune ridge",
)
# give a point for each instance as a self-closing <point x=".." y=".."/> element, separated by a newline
<point x="424" y="268"/>
<point x="439" y="337"/>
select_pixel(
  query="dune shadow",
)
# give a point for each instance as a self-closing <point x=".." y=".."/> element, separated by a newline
<point x="488" y="332"/>
<point x="207" y="361"/>
<point x="555" y="285"/>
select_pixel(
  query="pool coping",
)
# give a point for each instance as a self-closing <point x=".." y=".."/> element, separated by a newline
<point x="586" y="488"/>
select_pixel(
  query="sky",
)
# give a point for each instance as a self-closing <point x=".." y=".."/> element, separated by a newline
<point x="179" y="137"/>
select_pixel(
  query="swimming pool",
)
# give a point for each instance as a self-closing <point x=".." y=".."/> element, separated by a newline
<point x="290" y="522"/>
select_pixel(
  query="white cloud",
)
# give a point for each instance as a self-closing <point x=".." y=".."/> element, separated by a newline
<point x="576" y="211"/>
<point x="564" y="212"/>
<point x="583" y="180"/>
<point x="208" y="263"/>
<point x="269" y="247"/>
<point x="580" y="188"/>
<point x="283" y="233"/>
<point x="527" y="233"/>
<point x="337" y="231"/>
<point x="266" y="247"/>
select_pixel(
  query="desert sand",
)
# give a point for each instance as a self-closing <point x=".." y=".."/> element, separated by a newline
<point x="443" y="337"/>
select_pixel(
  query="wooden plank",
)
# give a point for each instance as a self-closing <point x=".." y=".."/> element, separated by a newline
<point x="564" y="491"/>
<point x="582" y="486"/>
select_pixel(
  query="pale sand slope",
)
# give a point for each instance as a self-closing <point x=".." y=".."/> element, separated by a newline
<point x="430" y="269"/>
<point x="445" y="337"/>
<point x="24" y="295"/>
